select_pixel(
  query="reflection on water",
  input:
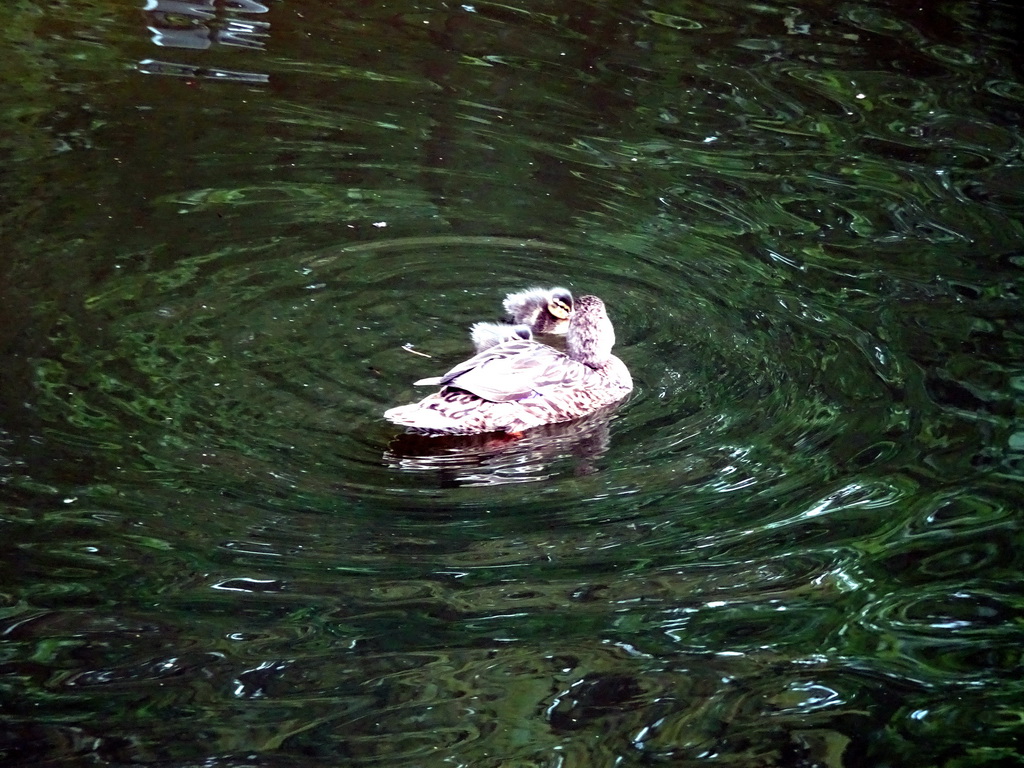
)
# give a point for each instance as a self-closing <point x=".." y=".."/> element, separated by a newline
<point x="493" y="459"/>
<point x="202" y="24"/>
<point x="195" y="24"/>
<point x="796" y="544"/>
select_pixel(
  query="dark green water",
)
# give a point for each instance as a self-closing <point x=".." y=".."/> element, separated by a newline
<point x="797" y="544"/>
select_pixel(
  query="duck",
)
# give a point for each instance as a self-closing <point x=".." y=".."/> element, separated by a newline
<point x="486" y="335"/>
<point x="545" y="310"/>
<point x="521" y="383"/>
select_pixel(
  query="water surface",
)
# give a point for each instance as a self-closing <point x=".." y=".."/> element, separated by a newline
<point x="225" y="226"/>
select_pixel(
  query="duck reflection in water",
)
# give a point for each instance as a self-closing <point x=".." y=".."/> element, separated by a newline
<point x="520" y="384"/>
<point x="501" y="458"/>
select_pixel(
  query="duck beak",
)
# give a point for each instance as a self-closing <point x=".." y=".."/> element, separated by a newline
<point x="559" y="309"/>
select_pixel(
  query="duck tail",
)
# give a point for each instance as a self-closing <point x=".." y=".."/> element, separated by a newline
<point x="422" y="419"/>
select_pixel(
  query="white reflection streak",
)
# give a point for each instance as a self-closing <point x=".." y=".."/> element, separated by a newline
<point x="156" y="67"/>
<point x="223" y="585"/>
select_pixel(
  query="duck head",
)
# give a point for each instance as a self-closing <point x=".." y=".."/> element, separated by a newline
<point x="591" y="335"/>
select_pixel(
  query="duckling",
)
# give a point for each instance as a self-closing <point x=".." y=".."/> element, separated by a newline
<point x="545" y="310"/>
<point x="486" y="335"/>
<point x="521" y="383"/>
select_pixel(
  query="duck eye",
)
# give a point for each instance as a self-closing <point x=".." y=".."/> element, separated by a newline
<point x="559" y="308"/>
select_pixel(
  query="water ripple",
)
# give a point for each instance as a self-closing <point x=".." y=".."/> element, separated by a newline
<point x="795" y="544"/>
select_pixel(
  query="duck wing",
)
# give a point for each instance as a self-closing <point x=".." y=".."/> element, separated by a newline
<point x="511" y="371"/>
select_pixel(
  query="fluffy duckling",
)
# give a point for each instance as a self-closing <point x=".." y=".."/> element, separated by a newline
<point x="545" y="310"/>
<point x="486" y="335"/>
<point x="518" y="384"/>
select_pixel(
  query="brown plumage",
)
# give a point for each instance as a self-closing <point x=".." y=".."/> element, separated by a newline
<point x="521" y="383"/>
